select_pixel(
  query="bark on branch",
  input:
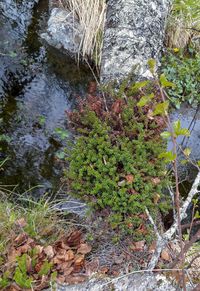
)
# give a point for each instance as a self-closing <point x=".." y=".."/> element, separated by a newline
<point x="167" y="236"/>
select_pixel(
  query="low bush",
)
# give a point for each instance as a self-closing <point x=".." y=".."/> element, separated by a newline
<point x="114" y="162"/>
<point x="184" y="72"/>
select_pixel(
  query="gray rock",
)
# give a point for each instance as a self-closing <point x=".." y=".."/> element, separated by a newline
<point x="73" y="206"/>
<point x="64" y="31"/>
<point x="19" y="12"/>
<point x="134" y="33"/>
<point x="134" y="282"/>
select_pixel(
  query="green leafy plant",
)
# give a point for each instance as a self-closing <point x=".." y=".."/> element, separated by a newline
<point x="185" y="74"/>
<point x="41" y="120"/>
<point x="62" y="133"/>
<point x="4" y="280"/>
<point x="46" y="268"/>
<point x="20" y="276"/>
<point x="114" y="164"/>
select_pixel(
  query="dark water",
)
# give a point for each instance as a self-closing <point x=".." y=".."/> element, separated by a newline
<point x="37" y="85"/>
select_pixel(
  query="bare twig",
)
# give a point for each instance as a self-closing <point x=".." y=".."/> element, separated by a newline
<point x="140" y="271"/>
<point x="173" y="202"/>
<point x="187" y="225"/>
<point x="186" y="248"/>
<point x="153" y="223"/>
<point x="193" y="260"/>
<point x="197" y="288"/>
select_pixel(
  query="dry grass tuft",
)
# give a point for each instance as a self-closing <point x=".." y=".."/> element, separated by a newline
<point x="183" y="23"/>
<point x="91" y="15"/>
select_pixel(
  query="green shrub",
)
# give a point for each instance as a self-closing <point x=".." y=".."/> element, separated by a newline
<point x="185" y="74"/>
<point x="114" y="163"/>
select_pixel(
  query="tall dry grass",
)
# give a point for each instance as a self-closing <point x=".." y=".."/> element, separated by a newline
<point x="91" y="16"/>
<point x="183" y="23"/>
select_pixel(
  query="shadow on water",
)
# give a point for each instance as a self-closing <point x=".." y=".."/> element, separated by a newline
<point x="35" y="82"/>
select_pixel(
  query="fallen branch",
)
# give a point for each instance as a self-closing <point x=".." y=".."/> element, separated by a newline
<point x="197" y="288"/>
<point x="187" y="225"/>
<point x="167" y="236"/>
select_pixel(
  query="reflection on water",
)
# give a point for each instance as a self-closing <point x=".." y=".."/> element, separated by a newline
<point x="36" y="83"/>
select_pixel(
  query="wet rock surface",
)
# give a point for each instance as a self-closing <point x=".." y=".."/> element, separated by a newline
<point x="64" y="31"/>
<point x="19" y="12"/>
<point x="134" y="33"/>
<point x="37" y="85"/>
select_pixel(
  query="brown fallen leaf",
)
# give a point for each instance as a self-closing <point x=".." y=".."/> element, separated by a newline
<point x="92" y="266"/>
<point x="68" y="271"/>
<point x="78" y="263"/>
<point x="38" y="266"/>
<point x="41" y="284"/>
<point x="24" y="248"/>
<point x="28" y="264"/>
<point x="165" y="255"/>
<point x="104" y="270"/>
<point x="119" y="259"/>
<point x="138" y="246"/>
<point x="133" y="192"/>
<point x="21" y="222"/>
<point x="13" y="254"/>
<point x="60" y="245"/>
<point x="64" y="246"/>
<point x="39" y="249"/>
<point x="61" y="253"/>
<point x="142" y="229"/>
<point x="129" y="178"/>
<point x="79" y="259"/>
<point x="155" y="181"/>
<point x="84" y="249"/>
<point x="60" y="279"/>
<point x="115" y="273"/>
<point x="63" y="265"/>
<point x="21" y="239"/>
<point x="75" y="279"/>
<point x="74" y="238"/>
<point x="152" y="247"/>
<point x="69" y="255"/>
<point x="13" y="287"/>
<point x="49" y="252"/>
<point x="57" y="261"/>
<point x="117" y="106"/>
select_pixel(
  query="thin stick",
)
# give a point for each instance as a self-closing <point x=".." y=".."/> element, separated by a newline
<point x="140" y="271"/>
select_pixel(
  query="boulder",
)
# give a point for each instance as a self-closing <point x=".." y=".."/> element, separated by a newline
<point x="134" y="33"/>
<point x="133" y="282"/>
<point x="63" y="31"/>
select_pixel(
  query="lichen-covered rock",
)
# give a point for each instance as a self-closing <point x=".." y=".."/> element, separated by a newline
<point x="134" y="33"/>
<point x="134" y="282"/>
<point x="20" y="12"/>
<point x="64" y="31"/>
